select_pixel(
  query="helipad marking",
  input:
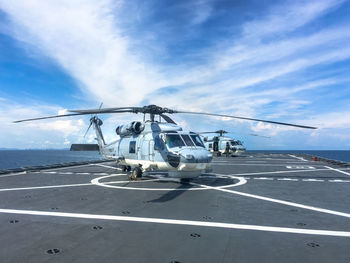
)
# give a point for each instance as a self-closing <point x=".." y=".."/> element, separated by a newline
<point x="340" y="171"/>
<point x="322" y="210"/>
<point x="96" y="181"/>
<point x="180" y="222"/>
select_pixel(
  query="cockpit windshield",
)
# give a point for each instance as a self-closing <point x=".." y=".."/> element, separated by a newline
<point x="187" y="139"/>
<point x="173" y="140"/>
<point x="178" y="140"/>
<point x="197" y="140"/>
<point x="233" y="143"/>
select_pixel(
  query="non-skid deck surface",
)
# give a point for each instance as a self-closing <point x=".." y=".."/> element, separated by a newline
<point x="253" y="208"/>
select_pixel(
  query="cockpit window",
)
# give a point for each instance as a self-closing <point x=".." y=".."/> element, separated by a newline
<point x="173" y="140"/>
<point x="197" y="140"/>
<point x="187" y="139"/>
<point x="233" y="143"/>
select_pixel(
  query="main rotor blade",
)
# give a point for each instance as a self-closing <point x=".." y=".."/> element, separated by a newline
<point x="249" y="119"/>
<point x="51" y="117"/>
<point x="106" y="110"/>
<point x="167" y="118"/>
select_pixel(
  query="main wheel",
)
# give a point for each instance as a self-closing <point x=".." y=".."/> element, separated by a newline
<point x="136" y="173"/>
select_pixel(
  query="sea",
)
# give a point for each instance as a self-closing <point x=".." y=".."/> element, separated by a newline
<point x="22" y="158"/>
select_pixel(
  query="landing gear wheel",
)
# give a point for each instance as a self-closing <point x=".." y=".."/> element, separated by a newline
<point x="128" y="168"/>
<point x="136" y="173"/>
<point x="184" y="181"/>
<point x="124" y="168"/>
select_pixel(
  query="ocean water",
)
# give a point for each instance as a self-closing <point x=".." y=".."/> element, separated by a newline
<point x="20" y="158"/>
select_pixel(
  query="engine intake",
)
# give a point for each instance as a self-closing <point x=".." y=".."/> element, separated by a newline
<point x="134" y="127"/>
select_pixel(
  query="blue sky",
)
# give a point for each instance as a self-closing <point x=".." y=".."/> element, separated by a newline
<point x="280" y="60"/>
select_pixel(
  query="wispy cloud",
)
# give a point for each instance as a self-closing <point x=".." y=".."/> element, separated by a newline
<point x="254" y="72"/>
<point x="81" y="37"/>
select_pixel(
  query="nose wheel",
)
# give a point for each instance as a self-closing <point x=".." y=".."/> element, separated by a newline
<point x="126" y="168"/>
<point x="136" y="173"/>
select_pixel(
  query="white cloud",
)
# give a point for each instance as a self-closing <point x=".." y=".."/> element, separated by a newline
<point x="82" y="37"/>
<point x="286" y="18"/>
<point x="32" y="134"/>
<point x="87" y="39"/>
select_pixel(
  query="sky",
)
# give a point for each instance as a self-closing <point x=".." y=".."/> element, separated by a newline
<point x="285" y="61"/>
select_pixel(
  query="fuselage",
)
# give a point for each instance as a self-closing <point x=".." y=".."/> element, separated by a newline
<point x="157" y="146"/>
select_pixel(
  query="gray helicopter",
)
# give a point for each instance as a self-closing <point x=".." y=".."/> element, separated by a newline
<point x="154" y="146"/>
<point x="222" y="144"/>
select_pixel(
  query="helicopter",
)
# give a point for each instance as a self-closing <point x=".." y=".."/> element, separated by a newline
<point x="154" y="145"/>
<point x="224" y="144"/>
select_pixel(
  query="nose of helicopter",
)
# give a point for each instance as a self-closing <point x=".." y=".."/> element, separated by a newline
<point x="191" y="159"/>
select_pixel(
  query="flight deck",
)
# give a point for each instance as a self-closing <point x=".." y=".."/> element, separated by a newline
<point x="258" y="207"/>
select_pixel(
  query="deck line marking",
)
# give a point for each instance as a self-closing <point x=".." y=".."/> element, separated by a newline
<point x="280" y="172"/>
<point x="257" y="164"/>
<point x="287" y="179"/>
<point x="52" y="186"/>
<point x="66" y="167"/>
<point x="43" y="187"/>
<point x="180" y="222"/>
<point x="300" y="158"/>
<point x="340" y="171"/>
<point x="339" y="181"/>
<point x="12" y="174"/>
<point x="312" y="180"/>
<point x="322" y="210"/>
<point x="106" y="166"/>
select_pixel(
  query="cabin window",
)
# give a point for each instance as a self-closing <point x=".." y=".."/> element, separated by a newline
<point x="187" y="140"/>
<point x="197" y="140"/>
<point x="132" y="147"/>
<point x="158" y="144"/>
<point x="174" y="140"/>
<point x="210" y="145"/>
